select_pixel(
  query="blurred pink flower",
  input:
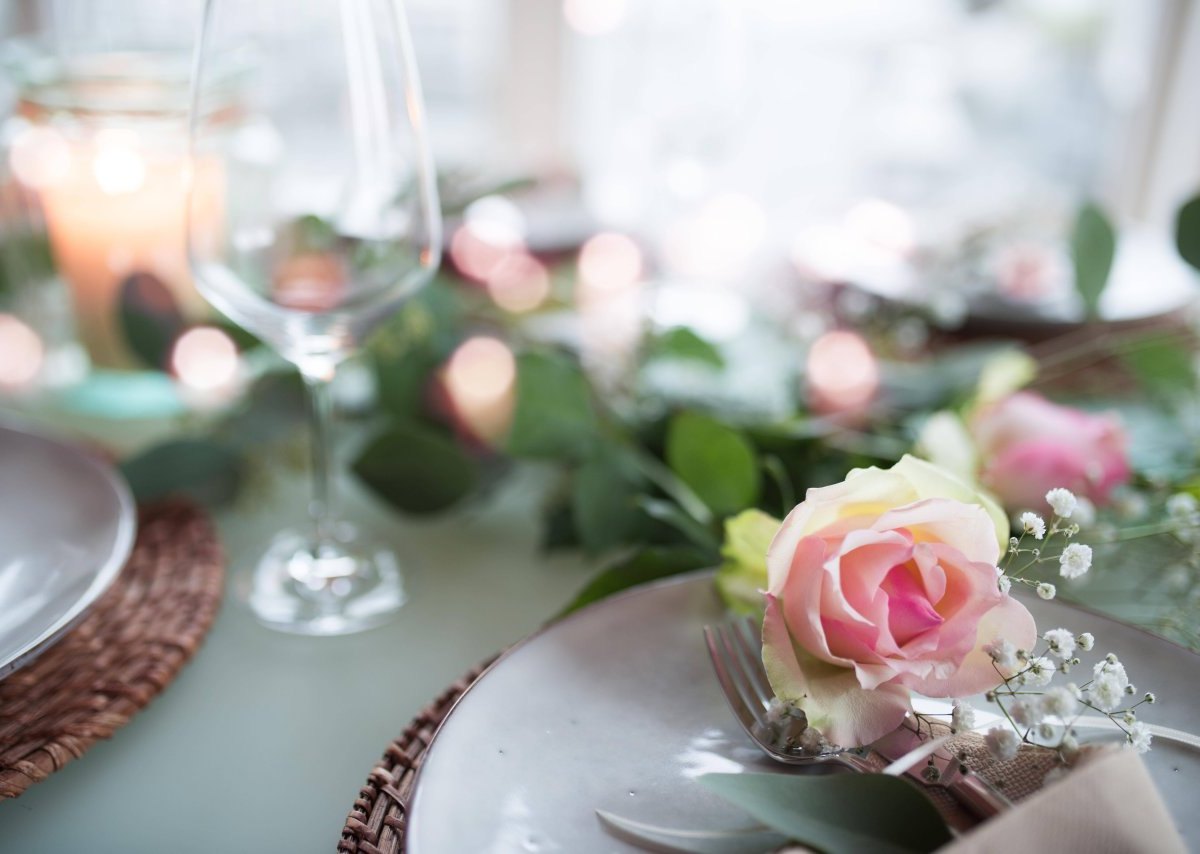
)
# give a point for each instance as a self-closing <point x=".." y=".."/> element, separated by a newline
<point x="1028" y="445"/>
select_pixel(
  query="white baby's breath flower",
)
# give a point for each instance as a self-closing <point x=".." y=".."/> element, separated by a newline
<point x="1106" y="692"/>
<point x="1046" y="590"/>
<point x="1062" y="501"/>
<point x="1062" y="642"/>
<point x="1027" y="713"/>
<point x="1111" y="666"/>
<point x="1150" y="698"/>
<point x="1060" y="702"/>
<point x="1002" y="742"/>
<point x="1045" y="731"/>
<point x="1085" y="641"/>
<point x="1183" y="508"/>
<point x="1002" y="652"/>
<point x="1040" y="671"/>
<point x="1069" y="747"/>
<point x="1139" y="737"/>
<point x="1005" y="584"/>
<point x="1075" y="560"/>
<point x="1033" y="524"/>
<point x="962" y="718"/>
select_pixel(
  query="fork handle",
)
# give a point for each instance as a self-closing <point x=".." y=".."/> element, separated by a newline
<point x="978" y="796"/>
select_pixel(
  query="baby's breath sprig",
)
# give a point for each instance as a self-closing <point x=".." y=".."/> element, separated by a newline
<point x="1040" y="543"/>
<point x="1045" y="715"/>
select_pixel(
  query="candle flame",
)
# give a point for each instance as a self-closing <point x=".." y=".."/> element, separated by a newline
<point x="117" y="166"/>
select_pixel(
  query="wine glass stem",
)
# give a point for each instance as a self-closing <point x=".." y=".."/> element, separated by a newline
<point x="321" y="507"/>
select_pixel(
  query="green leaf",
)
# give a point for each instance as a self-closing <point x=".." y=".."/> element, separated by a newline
<point x="1187" y="232"/>
<point x="647" y="565"/>
<point x="204" y="471"/>
<point x="311" y="233"/>
<point x="403" y="383"/>
<point x="416" y="470"/>
<point x="839" y="812"/>
<point x="715" y="460"/>
<point x="672" y="515"/>
<point x="1093" y="246"/>
<point x="604" y="503"/>
<point x="683" y="344"/>
<point x="25" y="259"/>
<point x="554" y="416"/>
<point x="274" y="407"/>
<point x="150" y="319"/>
<point x="1163" y="367"/>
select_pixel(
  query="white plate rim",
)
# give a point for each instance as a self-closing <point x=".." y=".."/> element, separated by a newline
<point x="108" y="569"/>
<point x="614" y="600"/>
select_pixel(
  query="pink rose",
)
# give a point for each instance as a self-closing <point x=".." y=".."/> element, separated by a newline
<point x="1029" y="446"/>
<point x="881" y="585"/>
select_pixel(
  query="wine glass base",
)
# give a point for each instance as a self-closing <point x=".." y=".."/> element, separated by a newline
<point x="327" y="589"/>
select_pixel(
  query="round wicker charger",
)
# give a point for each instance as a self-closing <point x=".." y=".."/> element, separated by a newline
<point x="128" y="647"/>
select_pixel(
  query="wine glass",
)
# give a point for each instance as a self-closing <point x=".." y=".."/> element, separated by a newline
<point x="312" y="215"/>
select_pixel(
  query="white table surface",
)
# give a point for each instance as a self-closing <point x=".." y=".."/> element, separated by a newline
<point x="263" y="741"/>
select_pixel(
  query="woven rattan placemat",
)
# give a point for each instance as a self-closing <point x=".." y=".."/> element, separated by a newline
<point x="378" y="820"/>
<point x="128" y="647"/>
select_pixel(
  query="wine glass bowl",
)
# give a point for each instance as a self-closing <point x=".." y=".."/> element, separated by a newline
<point x="313" y="215"/>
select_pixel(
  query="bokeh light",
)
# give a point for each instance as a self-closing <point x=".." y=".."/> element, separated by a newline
<point x="39" y="157"/>
<point x="23" y="353"/>
<point x="493" y="231"/>
<point x="480" y="381"/>
<point x="719" y="238"/>
<point x="842" y="372"/>
<point x="520" y="283"/>
<point x="882" y="224"/>
<point x="595" y="17"/>
<point x="609" y="263"/>
<point x="205" y="359"/>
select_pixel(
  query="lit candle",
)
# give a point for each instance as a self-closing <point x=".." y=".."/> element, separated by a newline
<point x="115" y="205"/>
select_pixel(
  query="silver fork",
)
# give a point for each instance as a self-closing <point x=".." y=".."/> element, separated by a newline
<point x="736" y="654"/>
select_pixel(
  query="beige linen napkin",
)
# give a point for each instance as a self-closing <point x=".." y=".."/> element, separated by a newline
<point x="1107" y="804"/>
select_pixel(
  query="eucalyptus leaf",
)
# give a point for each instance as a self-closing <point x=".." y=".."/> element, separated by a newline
<point x="755" y="839"/>
<point x="865" y="813"/>
<point x="274" y="407"/>
<point x="1187" y="231"/>
<point x="205" y="471"/>
<point x="554" y="416"/>
<point x="672" y="515"/>
<point x="649" y="564"/>
<point x="150" y="318"/>
<point x="1163" y="367"/>
<point x="416" y="470"/>
<point x="715" y="460"/>
<point x="1093" y="247"/>
<point x="604" y="503"/>
<point x="683" y="344"/>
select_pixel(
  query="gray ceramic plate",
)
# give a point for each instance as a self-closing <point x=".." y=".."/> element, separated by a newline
<point x="67" y="524"/>
<point x="616" y="709"/>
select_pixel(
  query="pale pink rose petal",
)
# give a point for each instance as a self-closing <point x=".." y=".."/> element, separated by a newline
<point x="1009" y="620"/>
<point x="1023" y="473"/>
<point x="835" y="704"/>
<point x="910" y="613"/>
<point x="866" y="557"/>
<point x="967" y="527"/>
<point x="801" y="596"/>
